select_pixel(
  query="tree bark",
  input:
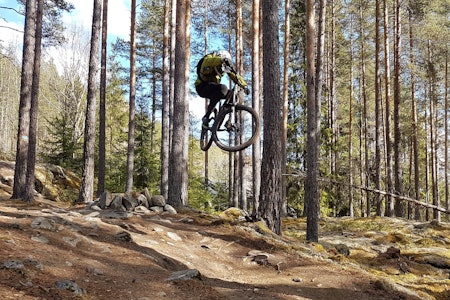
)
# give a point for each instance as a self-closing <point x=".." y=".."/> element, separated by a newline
<point x="256" y="100"/>
<point x="29" y="188"/>
<point x="102" y="112"/>
<point x="312" y="195"/>
<point x="165" y="130"/>
<point x="87" y="183"/>
<point x="286" y="45"/>
<point x="19" y="188"/>
<point x="387" y="135"/>
<point x="414" y="123"/>
<point x="178" y="160"/>
<point x="399" y="205"/>
<point x="132" y="101"/>
<point x="271" y="183"/>
<point x="377" y="163"/>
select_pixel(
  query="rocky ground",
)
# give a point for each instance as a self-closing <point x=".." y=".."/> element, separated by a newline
<point x="52" y="250"/>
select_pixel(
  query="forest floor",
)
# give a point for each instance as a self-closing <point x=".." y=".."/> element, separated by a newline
<point x="49" y="250"/>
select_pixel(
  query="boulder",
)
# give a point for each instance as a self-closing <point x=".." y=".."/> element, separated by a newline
<point x="158" y="200"/>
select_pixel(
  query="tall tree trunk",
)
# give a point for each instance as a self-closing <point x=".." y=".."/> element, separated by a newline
<point x="19" y="188"/>
<point x="387" y="79"/>
<point x="187" y="71"/>
<point x="271" y="194"/>
<point x="399" y="205"/>
<point x="132" y="101"/>
<point x="173" y="24"/>
<point x="165" y="130"/>
<point x="377" y="162"/>
<point x="312" y="194"/>
<point x="155" y="65"/>
<point x="256" y="100"/>
<point x="446" y="165"/>
<point x="29" y="187"/>
<point x="205" y="38"/>
<point x="287" y="41"/>
<point x="432" y="131"/>
<point x="87" y="184"/>
<point x="102" y="113"/>
<point x="178" y="161"/>
<point x="414" y="123"/>
<point x="364" y="126"/>
<point x="350" y="134"/>
<point x="240" y="69"/>
<point x="333" y="103"/>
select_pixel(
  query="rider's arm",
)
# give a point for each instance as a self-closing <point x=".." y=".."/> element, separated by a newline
<point x="238" y="79"/>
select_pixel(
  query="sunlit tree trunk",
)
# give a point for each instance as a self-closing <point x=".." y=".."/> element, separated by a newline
<point x="333" y="103"/>
<point x="205" y="38"/>
<point x="87" y="184"/>
<point x="432" y="130"/>
<point x="286" y="44"/>
<point x="256" y="100"/>
<point x="399" y="205"/>
<point x="155" y="65"/>
<point x="271" y="189"/>
<point x="350" y="134"/>
<point x="165" y="127"/>
<point x="25" y="101"/>
<point x="387" y="134"/>
<point x="187" y="71"/>
<point x="178" y="172"/>
<point x="446" y="133"/>
<point x="132" y="101"/>
<point x="312" y="195"/>
<point x="414" y="123"/>
<point x="240" y="69"/>
<point x="364" y="140"/>
<point x="377" y="162"/>
<point x="102" y="114"/>
<point x="29" y="187"/>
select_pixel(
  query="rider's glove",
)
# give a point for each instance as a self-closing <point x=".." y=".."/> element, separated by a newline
<point x="247" y="91"/>
<point x="226" y="62"/>
<point x="226" y="69"/>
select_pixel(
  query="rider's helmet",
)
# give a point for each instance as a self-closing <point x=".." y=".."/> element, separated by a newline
<point x="224" y="55"/>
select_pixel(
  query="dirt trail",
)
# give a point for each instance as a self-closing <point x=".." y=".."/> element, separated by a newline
<point x="133" y="258"/>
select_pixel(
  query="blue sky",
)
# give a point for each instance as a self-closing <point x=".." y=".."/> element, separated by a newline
<point x="11" y="28"/>
<point x="11" y="24"/>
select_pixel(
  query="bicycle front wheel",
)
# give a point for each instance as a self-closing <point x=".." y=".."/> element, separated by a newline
<point x="235" y="131"/>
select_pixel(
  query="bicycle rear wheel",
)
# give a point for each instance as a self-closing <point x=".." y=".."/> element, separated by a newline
<point x="235" y="133"/>
<point x="205" y="139"/>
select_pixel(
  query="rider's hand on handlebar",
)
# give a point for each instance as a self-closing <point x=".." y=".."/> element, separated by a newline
<point x="247" y="91"/>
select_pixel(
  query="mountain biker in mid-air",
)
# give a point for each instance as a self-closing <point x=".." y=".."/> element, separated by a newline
<point x="210" y="70"/>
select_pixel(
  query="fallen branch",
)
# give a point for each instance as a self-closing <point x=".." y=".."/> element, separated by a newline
<point x="427" y="205"/>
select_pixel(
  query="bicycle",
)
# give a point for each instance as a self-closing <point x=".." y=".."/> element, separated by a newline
<point x="235" y="126"/>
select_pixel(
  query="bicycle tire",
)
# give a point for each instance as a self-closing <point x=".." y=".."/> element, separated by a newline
<point x="206" y="139"/>
<point x="249" y="127"/>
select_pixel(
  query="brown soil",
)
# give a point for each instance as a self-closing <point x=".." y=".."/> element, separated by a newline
<point x="99" y="256"/>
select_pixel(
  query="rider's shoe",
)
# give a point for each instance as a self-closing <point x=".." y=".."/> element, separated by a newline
<point x="205" y="122"/>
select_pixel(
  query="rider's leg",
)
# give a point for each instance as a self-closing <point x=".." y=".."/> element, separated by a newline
<point x="213" y="91"/>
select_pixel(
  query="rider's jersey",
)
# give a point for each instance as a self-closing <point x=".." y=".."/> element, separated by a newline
<point x="211" y="69"/>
